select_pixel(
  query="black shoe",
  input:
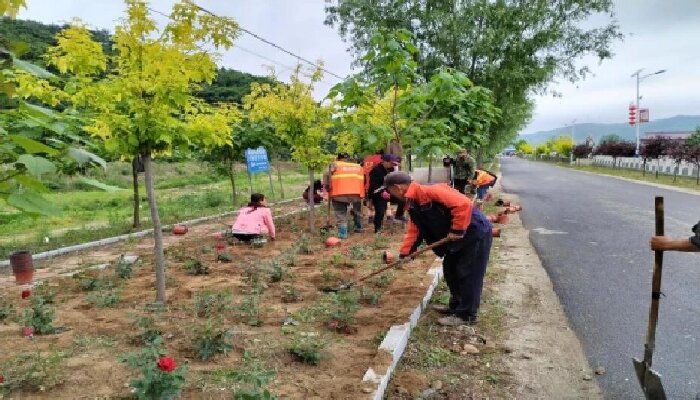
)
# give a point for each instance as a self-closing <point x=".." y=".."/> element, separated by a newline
<point x="441" y="308"/>
<point x="455" y="320"/>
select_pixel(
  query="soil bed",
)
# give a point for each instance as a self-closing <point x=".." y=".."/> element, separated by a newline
<point x="98" y="333"/>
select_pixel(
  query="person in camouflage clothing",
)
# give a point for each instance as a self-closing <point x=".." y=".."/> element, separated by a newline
<point x="463" y="170"/>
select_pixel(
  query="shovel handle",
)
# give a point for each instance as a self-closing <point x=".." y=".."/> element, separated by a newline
<point x="655" y="283"/>
<point x="395" y="263"/>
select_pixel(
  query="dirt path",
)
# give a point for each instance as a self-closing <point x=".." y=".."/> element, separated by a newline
<point x="543" y="353"/>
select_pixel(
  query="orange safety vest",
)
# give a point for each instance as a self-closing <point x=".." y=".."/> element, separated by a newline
<point x="370" y="162"/>
<point x="347" y="179"/>
<point x="483" y="178"/>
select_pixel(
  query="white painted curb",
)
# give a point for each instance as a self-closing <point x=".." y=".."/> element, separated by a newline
<point x="115" y="239"/>
<point x="396" y="339"/>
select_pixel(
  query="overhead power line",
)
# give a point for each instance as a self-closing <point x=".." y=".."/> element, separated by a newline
<point x="278" y="47"/>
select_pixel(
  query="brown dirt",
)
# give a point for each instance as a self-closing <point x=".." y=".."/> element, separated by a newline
<point x="93" y="369"/>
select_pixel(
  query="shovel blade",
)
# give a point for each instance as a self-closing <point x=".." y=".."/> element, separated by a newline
<point x="649" y="380"/>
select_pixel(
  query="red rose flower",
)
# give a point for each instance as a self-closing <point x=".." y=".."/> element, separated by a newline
<point x="166" y="364"/>
<point x="2" y="379"/>
<point x="26" y="294"/>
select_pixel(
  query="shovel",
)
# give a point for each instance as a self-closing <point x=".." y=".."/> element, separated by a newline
<point x="649" y="379"/>
<point x="411" y="256"/>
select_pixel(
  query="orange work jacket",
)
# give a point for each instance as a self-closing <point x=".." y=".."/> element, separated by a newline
<point x="483" y="178"/>
<point x="348" y="178"/>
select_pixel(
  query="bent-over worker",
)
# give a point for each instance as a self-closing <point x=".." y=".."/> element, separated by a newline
<point x="438" y="211"/>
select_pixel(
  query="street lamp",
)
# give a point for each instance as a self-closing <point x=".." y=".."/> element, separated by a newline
<point x="640" y="78"/>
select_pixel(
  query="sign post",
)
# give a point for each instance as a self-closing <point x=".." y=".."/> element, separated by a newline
<point x="257" y="161"/>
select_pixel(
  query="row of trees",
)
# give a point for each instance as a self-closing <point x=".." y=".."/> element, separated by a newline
<point x="561" y="145"/>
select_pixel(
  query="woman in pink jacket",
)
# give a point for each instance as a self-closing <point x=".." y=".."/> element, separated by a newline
<point x="254" y="220"/>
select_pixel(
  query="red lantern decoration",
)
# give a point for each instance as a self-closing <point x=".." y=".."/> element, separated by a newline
<point x="632" y="114"/>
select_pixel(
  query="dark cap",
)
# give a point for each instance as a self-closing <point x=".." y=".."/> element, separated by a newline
<point x="391" y="158"/>
<point x="397" y="178"/>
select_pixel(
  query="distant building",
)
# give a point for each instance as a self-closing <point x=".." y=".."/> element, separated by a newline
<point x="674" y="136"/>
<point x="508" y="151"/>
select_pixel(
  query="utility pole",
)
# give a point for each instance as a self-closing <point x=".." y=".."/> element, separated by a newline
<point x="573" y="141"/>
<point x="637" y="98"/>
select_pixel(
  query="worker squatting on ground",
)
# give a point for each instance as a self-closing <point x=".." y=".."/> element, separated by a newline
<point x="378" y="197"/>
<point x="665" y="243"/>
<point x="346" y="184"/>
<point x="438" y="211"/>
<point x="254" y="220"/>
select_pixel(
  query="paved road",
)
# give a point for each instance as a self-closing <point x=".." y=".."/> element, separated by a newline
<point x="591" y="233"/>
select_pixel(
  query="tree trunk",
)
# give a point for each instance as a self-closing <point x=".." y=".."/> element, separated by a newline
<point x="137" y="199"/>
<point x="675" y="172"/>
<point x="479" y="158"/>
<point x="312" y="209"/>
<point x="697" y="174"/>
<point x="658" y="165"/>
<point x="157" y="230"/>
<point x="232" y="177"/>
<point x="644" y="168"/>
<point x="279" y="179"/>
<point x="430" y="169"/>
<point x="410" y="161"/>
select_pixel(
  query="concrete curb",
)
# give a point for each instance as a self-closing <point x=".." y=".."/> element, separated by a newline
<point x="396" y="339"/>
<point x="115" y="239"/>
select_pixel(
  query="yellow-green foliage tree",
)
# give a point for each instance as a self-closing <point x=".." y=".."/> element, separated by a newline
<point x="525" y="148"/>
<point x="140" y="99"/>
<point x="297" y="117"/>
<point x="563" y="145"/>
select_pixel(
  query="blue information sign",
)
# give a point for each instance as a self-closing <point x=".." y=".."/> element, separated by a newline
<point x="256" y="160"/>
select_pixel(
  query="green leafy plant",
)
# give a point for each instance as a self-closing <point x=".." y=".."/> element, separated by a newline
<point x="6" y="309"/>
<point x="196" y="267"/>
<point x="307" y="349"/>
<point x="209" y="304"/>
<point x="344" y="306"/>
<point x="291" y="295"/>
<point x="148" y="330"/>
<point x="277" y="271"/>
<point x="45" y="291"/>
<point x="337" y="259"/>
<point x="39" y="317"/>
<point x="90" y="280"/>
<point x="123" y="269"/>
<point x="107" y="298"/>
<point x="34" y="371"/>
<point x="328" y="275"/>
<point x="160" y="377"/>
<point x="224" y="257"/>
<point x="249" y="308"/>
<point x="358" y="252"/>
<point x="384" y="279"/>
<point x="211" y="339"/>
<point x="369" y="296"/>
<point x="381" y="241"/>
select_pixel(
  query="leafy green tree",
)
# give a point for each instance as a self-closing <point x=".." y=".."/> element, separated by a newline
<point x="140" y="99"/>
<point x="298" y="120"/>
<point x="514" y="48"/>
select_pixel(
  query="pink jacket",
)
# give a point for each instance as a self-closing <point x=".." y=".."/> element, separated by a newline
<point x="258" y="221"/>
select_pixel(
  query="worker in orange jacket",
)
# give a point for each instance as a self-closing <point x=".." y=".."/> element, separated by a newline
<point x="346" y="186"/>
<point x="482" y="181"/>
<point x="439" y="211"/>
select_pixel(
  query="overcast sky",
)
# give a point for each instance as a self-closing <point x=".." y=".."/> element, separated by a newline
<point x="660" y="34"/>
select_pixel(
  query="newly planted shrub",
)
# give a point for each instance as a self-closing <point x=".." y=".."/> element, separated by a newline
<point x="343" y="308"/>
<point x="160" y="377"/>
<point x="89" y="280"/>
<point x="304" y="246"/>
<point x="384" y="279"/>
<point x="6" y="309"/>
<point x="105" y="298"/>
<point x="277" y="271"/>
<point x="211" y="339"/>
<point x="307" y="349"/>
<point x="358" y="252"/>
<point x="123" y="269"/>
<point x="148" y="331"/>
<point x="33" y="371"/>
<point x="291" y="295"/>
<point x="224" y="257"/>
<point x="381" y="241"/>
<point x="39" y="317"/>
<point x="249" y="309"/>
<point x="369" y="296"/>
<point x="196" y="267"/>
<point x="45" y="292"/>
<point x="209" y="304"/>
<point x="251" y="380"/>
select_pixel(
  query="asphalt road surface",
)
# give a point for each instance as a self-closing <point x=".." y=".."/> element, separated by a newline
<point x="592" y="234"/>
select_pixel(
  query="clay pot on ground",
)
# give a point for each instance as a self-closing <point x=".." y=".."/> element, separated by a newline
<point x="179" y="230"/>
<point x="502" y="218"/>
<point x="22" y="267"/>
<point x="496" y="232"/>
<point x="333" y="242"/>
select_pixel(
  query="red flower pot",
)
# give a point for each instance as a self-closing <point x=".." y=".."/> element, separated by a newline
<point x="496" y="232"/>
<point x="22" y="267"/>
<point x="333" y="242"/>
<point x="179" y="230"/>
<point x="502" y="218"/>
